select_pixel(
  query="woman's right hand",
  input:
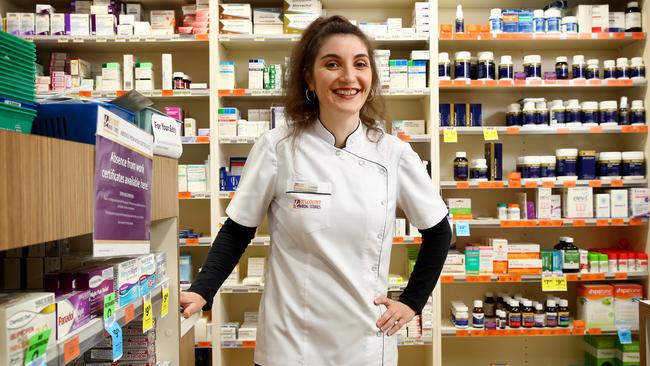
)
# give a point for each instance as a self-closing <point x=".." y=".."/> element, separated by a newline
<point x="191" y="302"/>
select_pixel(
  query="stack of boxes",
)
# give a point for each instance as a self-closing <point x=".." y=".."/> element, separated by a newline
<point x="608" y="350"/>
<point x="80" y="73"/>
<point x="227" y="120"/>
<point x="382" y="60"/>
<point x="421" y="17"/>
<point x="606" y="305"/>
<point x="196" y="18"/>
<point x="267" y="21"/>
<point x="111" y="77"/>
<point x="193" y="178"/>
<point x="299" y="14"/>
<point x="59" y="80"/>
<point x="235" y="19"/>
<point x="17" y="90"/>
<point x="137" y="348"/>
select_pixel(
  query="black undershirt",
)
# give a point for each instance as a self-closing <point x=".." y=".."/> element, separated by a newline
<point x="233" y="238"/>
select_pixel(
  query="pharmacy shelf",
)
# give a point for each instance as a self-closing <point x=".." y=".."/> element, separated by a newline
<point x="448" y="330"/>
<point x="543" y="41"/>
<point x="549" y="130"/>
<point x="149" y="43"/>
<point x="515" y="85"/>
<point x="570" y="223"/>
<point x="285" y="42"/>
<point x="250" y="289"/>
<point x="195" y="140"/>
<point x="155" y="95"/>
<point x="194" y="195"/>
<point x="414" y="138"/>
<point x="513" y="278"/>
<point x="189" y="323"/>
<point x="535" y="183"/>
<point x="93" y="332"/>
<point x="238" y="344"/>
<point x="237" y="140"/>
<point x="270" y="93"/>
<point x="205" y="241"/>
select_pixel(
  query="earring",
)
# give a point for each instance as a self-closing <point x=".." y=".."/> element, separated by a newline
<point x="308" y="96"/>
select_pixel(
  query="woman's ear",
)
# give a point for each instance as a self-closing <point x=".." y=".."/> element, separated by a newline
<point x="310" y="81"/>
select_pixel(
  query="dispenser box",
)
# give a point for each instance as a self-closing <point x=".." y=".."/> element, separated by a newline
<point x="578" y="202"/>
<point x="460" y="208"/>
<point x="626" y="303"/>
<point x="601" y="205"/>
<point x="596" y="305"/>
<point x="618" y="202"/>
<point x="639" y="201"/>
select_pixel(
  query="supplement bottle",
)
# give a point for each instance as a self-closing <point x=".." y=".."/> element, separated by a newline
<point x="570" y="255"/>
<point x="514" y="314"/>
<point x="557" y="113"/>
<point x="563" y="313"/>
<point x="460" y="19"/>
<point x="633" y="17"/>
<point x="609" y="164"/>
<point x="562" y="68"/>
<point x="637" y="113"/>
<point x="553" y="18"/>
<point x="589" y="113"/>
<point x="594" y="263"/>
<point x="513" y="115"/>
<point x="500" y="304"/>
<point x="637" y="69"/>
<point x="551" y="314"/>
<point x="444" y="66"/>
<point x="529" y="114"/>
<point x="579" y="67"/>
<point x="513" y="211"/>
<point x="489" y="306"/>
<point x="528" y="314"/>
<point x="479" y="170"/>
<point x="612" y="263"/>
<point x="478" y="316"/>
<point x="623" y="264"/>
<point x="187" y="81"/>
<point x="473" y="68"/>
<point x="642" y="262"/>
<point x="542" y="117"/>
<point x="622" y="68"/>
<point x="502" y="213"/>
<point x="547" y="166"/>
<point x="531" y="168"/>
<point x="539" y="24"/>
<point x="462" y="65"/>
<point x="587" y="164"/>
<point x="461" y="166"/>
<point x="566" y="162"/>
<point x="506" y="68"/>
<point x="609" y="70"/>
<point x="496" y="21"/>
<point x="540" y="316"/>
<point x="569" y="25"/>
<point x="533" y="67"/>
<point x="623" y="113"/>
<point x="501" y="319"/>
<point x="608" y="113"/>
<point x="633" y="165"/>
<point x="573" y="112"/>
<point x="592" y="71"/>
<point x="178" y="80"/>
<point x="486" y="66"/>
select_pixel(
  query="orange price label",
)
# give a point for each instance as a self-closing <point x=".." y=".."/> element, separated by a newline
<point x="579" y="323"/>
<point x="595" y="183"/>
<point x="462" y="185"/>
<point x="239" y="92"/>
<point x="513" y="332"/>
<point x="512" y="130"/>
<point x="636" y="222"/>
<point x="201" y="37"/>
<point x="447" y="279"/>
<point x="572" y="277"/>
<point x="404" y="137"/>
<point x="497" y="185"/>
<point x="569" y="184"/>
<point x="462" y="333"/>
<point x="508" y="223"/>
<point x="531" y="184"/>
<point x="477" y="333"/>
<point x="578" y="331"/>
<point x="204" y="344"/>
<point x="505" y="83"/>
<point x="578" y="82"/>
<point x="492" y="332"/>
<point x="528" y="332"/>
<point x="641" y="129"/>
<point x="535" y="82"/>
<point x="459" y="83"/>
<point x="592" y="276"/>
<point x="479" y="278"/>
<point x="637" y="35"/>
<point x="514" y="183"/>
<point x="579" y="223"/>
<point x="445" y="83"/>
<point x="85" y="94"/>
<point x="398" y="239"/>
<point x="71" y="350"/>
<point x="184" y="195"/>
<point x="119" y="93"/>
<point x="618" y="222"/>
<point x="620" y="276"/>
<point x="203" y="139"/>
<point x="224" y="92"/>
<point x="546" y="223"/>
<point x="484" y="184"/>
<point x="595" y="331"/>
<point x="129" y="313"/>
<point x="616" y="183"/>
<point x="563" y="130"/>
<point x="596" y="129"/>
<point x="192" y="241"/>
<point x="602" y="222"/>
<point x="248" y="344"/>
<point x="594" y="82"/>
<point x="231" y="195"/>
<point x="548" y="184"/>
<point x="627" y="129"/>
<point x="167" y="93"/>
<point x="562" y="331"/>
<point x="512" y="278"/>
<point x="558" y="222"/>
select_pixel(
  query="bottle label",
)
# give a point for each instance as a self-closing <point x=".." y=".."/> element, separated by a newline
<point x="443" y="70"/>
<point x="551" y="319"/>
<point x="460" y="26"/>
<point x="528" y="320"/>
<point x="539" y="320"/>
<point x="637" y="117"/>
<point x="462" y="70"/>
<point x="610" y="74"/>
<point x="478" y="320"/>
<point x="632" y="20"/>
<point x="515" y="320"/>
<point x="571" y="259"/>
<point x="578" y="72"/>
<point x="563" y="319"/>
<point x="496" y="25"/>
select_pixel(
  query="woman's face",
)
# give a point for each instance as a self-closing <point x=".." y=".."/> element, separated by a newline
<point x="342" y="77"/>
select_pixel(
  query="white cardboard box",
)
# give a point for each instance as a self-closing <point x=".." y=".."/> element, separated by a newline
<point x="578" y="202"/>
<point x="639" y="201"/>
<point x="618" y="202"/>
<point x="544" y="202"/>
<point x="601" y="205"/>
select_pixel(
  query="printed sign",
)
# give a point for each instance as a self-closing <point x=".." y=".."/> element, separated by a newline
<point x="167" y="136"/>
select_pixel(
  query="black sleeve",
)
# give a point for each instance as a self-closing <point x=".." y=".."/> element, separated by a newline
<point x="433" y="252"/>
<point x="227" y="249"/>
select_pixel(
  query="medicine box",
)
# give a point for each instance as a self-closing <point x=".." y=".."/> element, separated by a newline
<point x="599" y="18"/>
<point x="256" y="266"/>
<point x="486" y="259"/>
<point x="42" y="24"/>
<point x="314" y="7"/>
<point x="22" y="315"/>
<point x="400" y="227"/>
<point x="167" y="71"/>
<point x="600" y="350"/>
<point x="99" y="282"/>
<point x="639" y="201"/>
<point x="135" y="9"/>
<point x="628" y="354"/>
<point x="229" y="331"/>
<point x="77" y="24"/>
<point x="161" y="266"/>
<point x="544" y="202"/>
<point x="235" y="11"/>
<point x="601" y="205"/>
<point x="618" y="202"/>
<point x="267" y="16"/>
<point x="197" y="178"/>
<point x="147" y="270"/>
<point x="626" y="303"/>
<point x="126" y="280"/>
<point x="297" y="23"/>
<point x="556" y="206"/>
<point x="182" y="178"/>
<point x="578" y="202"/>
<point x="185" y="265"/>
<point x="235" y="26"/>
<point x="460" y="208"/>
<point x="72" y="312"/>
<point x="472" y="261"/>
<point x="409" y="127"/>
<point x="596" y="305"/>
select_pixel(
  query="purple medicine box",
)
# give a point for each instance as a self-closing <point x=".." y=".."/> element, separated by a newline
<point x="98" y="281"/>
<point x="72" y="312"/>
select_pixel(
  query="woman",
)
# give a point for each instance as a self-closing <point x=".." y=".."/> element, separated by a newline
<point x="331" y="184"/>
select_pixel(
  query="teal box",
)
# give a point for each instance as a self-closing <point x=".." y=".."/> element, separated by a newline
<point x="472" y="261"/>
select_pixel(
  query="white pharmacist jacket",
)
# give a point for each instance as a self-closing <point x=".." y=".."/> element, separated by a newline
<point x="331" y="219"/>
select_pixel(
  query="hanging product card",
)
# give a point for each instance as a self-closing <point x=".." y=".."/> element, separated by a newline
<point x="123" y="178"/>
<point x="624" y="335"/>
<point x="37" y="348"/>
<point x="147" y="313"/>
<point x="167" y="136"/>
<point x="113" y="328"/>
<point x="164" y="309"/>
<point x="462" y="228"/>
<point x="109" y="307"/>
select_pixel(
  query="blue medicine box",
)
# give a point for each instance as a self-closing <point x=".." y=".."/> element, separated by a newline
<point x="228" y="182"/>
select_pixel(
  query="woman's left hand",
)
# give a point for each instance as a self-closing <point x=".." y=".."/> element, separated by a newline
<point x="397" y="314"/>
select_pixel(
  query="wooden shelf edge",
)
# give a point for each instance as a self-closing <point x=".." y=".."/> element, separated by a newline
<point x="46" y="189"/>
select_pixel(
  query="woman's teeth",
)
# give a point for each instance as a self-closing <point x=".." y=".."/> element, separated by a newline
<point x="346" y="92"/>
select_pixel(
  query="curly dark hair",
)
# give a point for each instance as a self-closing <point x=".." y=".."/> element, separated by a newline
<point x="299" y="111"/>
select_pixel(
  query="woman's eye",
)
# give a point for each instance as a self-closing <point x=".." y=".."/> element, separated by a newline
<point x="361" y="64"/>
<point x="331" y="64"/>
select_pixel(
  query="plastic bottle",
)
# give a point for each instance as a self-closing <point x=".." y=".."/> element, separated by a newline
<point x="623" y="264"/>
<point x="557" y="113"/>
<point x="622" y="68"/>
<point x="637" y="113"/>
<point x="542" y="117"/>
<point x="506" y="68"/>
<point x="570" y="255"/>
<point x="496" y="21"/>
<point x="561" y="68"/>
<point x="608" y="112"/>
<point x="551" y="314"/>
<point x="178" y="80"/>
<point x="513" y="212"/>
<point x="500" y="304"/>
<point x="633" y="165"/>
<point x="501" y="319"/>
<point x="460" y="19"/>
<point x="462" y="65"/>
<point x="540" y="316"/>
<point x="444" y="66"/>
<point x="563" y="314"/>
<point x="489" y="305"/>
<point x="579" y="67"/>
<point x="533" y="67"/>
<point x="612" y="265"/>
<point x="566" y="162"/>
<point x="573" y="112"/>
<point x="623" y="113"/>
<point x="633" y="17"/>
<point x="529" y="113"/>
<point x="547" y="166"/>
<point x="594" y="262"/>
<point x="479" y="170"/>
<point x="539" y="24"/>
<point x="589" y="113"/>
<point x="528" y="314"/>
<point x="642" y="263"/>
<point x="502" y="211"/>
<point x="610" y="164"/>
<point x="514" y="315"/>
<point x="592" y="71"/>
<point x="461" y="166"/>
<point x="553" y="18"/>
<point x="569" y="25"/>
<point x="513" y="115"/>
<point x="486" y="66"/>
<point x="637" y="69"/>
<point x="609" y="69"/>
<point x="478" y="316"/>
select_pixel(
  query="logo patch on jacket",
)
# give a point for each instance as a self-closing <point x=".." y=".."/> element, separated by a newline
<point x="310" y="204"/>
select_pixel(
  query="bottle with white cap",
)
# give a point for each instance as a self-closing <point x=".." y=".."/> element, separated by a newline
<point x="573" y="112"/>
<point x="529" y="114"/>
<point x="486" y="66"/>
<point x="496" y="21"/>
<point x="609" y="70"/>
<point x="539" y="25"/>
<point x="513" y="115"/>
<point x="637" y="113"/>
<point x="557" y="113"/>
<point x="623" y="112"/>
<point x="533" y="67"/>
<point x="608" y="113"/>
<point x="622" y="68"/>
<point x="637" y="69"/>
<point x="579" y="67"/>
<point x="460" y="19"/>
<point x="592" y="71"/>
<point x="506" y="68"/>
<point x="589" y="113"/>
<point x="478" y="315"/>
<point x="462" y="65"/>
<point x="562" y="68"/>
<point x="633" y="17"/>
<point x="541" y="114"/>
<point x="553" y="18"/>
<point x="461" y="166"/>
<point x="444" y="66"/>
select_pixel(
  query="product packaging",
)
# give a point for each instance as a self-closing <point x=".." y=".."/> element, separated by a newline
<point x="99" y="282"/>
<point x="72" y="312"/>
<point x="596" y="305"/>
<point x="147" y="271"/>
<point x="578" y="202"/>
<point x="126" y="280"/>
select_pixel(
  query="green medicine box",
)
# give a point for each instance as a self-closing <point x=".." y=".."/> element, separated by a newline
<point x="600" y="350"/>
<point x="628" y="354"/>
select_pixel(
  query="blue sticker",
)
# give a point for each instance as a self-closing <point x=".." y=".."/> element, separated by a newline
<point x="37" y="362"/>
<point x="624" y="335"/>
<point x="115" y="331"/>
<point x="462" y="228"/>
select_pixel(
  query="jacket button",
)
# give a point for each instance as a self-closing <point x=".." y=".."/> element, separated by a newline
<point x="361" y="162"/>
<point x="383" y="203"/>
<point x="380" y="236"/>
<point x="380" y="334"/>
<point x="338" y="153"/>
<point x="374" y="268"/>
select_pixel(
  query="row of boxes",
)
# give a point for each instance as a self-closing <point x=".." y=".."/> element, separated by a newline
<point x="193" y="178"/>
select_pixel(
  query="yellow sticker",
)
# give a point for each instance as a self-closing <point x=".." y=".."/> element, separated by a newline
<point x="554" y="283"/>
<point x="164" y="309"/>
<point x="147" y="313"/>
<point x="490" y="134"/>
<point x="449" y="135"/>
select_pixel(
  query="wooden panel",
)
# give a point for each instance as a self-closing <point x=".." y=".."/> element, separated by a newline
<point x="46" y="189"/>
